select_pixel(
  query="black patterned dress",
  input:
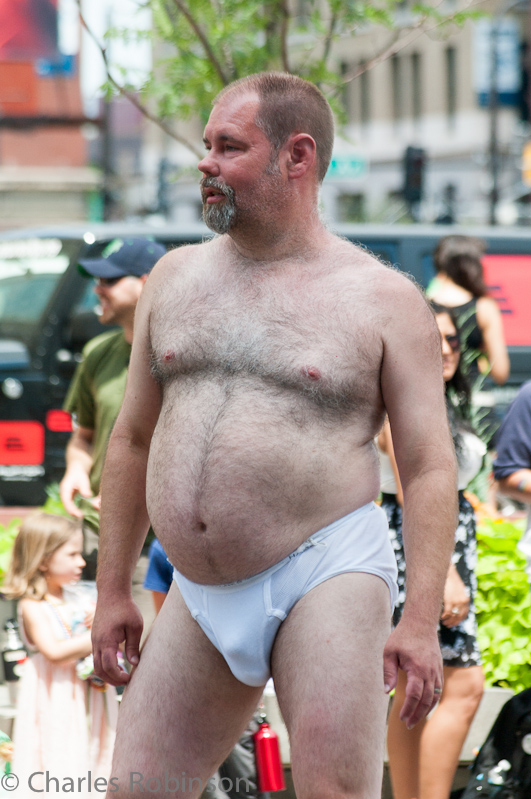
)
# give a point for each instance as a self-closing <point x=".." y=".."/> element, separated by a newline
<point x="459" y="645"/>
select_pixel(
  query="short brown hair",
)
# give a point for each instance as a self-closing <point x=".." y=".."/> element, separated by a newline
<point x="289" y="104"/>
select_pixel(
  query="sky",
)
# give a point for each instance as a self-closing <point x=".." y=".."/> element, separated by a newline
<point x="100" y="15"/>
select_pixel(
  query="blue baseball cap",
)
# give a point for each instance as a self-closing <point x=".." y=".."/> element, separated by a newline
<point x="123" y="257"/>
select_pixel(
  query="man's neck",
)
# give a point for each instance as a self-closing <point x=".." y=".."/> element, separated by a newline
<point x="280" y="240"/>
<point x="128" y="332"/>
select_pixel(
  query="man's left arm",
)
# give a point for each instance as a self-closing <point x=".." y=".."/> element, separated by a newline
<point x="413" y="393"/>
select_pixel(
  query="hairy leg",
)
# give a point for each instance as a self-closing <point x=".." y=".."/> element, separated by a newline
<point x="182" y="711"/>
<point x="328" y="670"/>
<point x="446" y="730"/>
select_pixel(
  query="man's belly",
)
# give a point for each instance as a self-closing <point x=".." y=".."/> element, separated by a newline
<point x="230" y="494"/>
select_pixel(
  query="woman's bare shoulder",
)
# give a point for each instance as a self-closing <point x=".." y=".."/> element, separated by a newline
<point x="487" y="309"/>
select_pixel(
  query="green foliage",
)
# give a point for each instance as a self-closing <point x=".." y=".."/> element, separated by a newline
<point x="8" y="533"/>
<point x="503" y="605"/>
<point x="53" y="502"/>
<point x="206" y="44"/>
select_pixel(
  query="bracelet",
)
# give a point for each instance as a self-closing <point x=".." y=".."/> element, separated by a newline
<point x="523" y="485"/>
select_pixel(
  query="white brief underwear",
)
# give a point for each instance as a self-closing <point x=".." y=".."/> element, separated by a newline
<point x="242" y="619"/>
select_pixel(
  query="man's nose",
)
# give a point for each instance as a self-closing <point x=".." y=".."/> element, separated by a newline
<point x="208" y="165"/>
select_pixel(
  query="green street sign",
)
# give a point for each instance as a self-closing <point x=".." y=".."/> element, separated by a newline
<point x="348" y="166"/>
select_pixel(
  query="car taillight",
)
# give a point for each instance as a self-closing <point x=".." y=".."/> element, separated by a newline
<point x="59" y="421"/>
<point x="21" y="443"/>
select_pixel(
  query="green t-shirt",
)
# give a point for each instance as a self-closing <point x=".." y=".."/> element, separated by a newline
<point x="97" y="391"/>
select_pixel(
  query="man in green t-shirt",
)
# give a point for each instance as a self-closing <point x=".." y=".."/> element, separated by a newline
<point x="97" y="389"/>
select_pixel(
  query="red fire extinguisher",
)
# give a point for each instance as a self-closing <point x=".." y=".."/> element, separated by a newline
<point x="269" y="772"/>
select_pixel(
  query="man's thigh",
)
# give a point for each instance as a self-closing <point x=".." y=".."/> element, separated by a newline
<point x="328" y="669"/>
<point x="182" y="711"/>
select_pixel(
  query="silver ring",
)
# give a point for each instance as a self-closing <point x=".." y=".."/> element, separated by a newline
<point x="455" y="611"/>
<point x="437" y="690"/>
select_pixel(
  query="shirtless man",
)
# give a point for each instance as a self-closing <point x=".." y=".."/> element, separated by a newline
<point x="263" y="363"/>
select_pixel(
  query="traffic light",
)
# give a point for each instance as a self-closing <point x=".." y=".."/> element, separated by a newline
<point x="414" y="167"/>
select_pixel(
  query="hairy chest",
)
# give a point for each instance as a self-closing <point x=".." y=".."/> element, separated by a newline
<point x="321" y="344"/>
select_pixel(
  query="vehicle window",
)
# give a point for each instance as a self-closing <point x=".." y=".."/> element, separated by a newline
<point x="29" y="272"/>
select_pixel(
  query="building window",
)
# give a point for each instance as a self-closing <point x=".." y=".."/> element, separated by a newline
<point x="451" y="84"/>
<point x="351" y="207"/>
<point x="347" y="92"/>
<point x="397" y="87"/>
<point x="302" y="11"/>
<point x="365" y="97"/>
<point x="416" y="86"/>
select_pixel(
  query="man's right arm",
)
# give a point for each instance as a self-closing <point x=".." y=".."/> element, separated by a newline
<point x="124" y="519"/>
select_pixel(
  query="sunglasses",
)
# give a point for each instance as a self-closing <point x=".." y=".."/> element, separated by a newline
<point x="454" y="342"/>
<point x="108" y="282"/>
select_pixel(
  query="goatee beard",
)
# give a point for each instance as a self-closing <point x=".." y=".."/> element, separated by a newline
<point x="219" y="216"/>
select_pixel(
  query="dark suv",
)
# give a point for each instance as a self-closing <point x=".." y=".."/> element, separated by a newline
<point x="48" y="311"/>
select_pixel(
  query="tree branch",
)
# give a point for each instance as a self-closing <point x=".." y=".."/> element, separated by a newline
<point x="401" y="39"/>
<point x="329" y="38"/>
<point x="225" y="79"/>
<point x="397" y="43"/>
<point x="284" y="30"/>
<point x="131" y="96"/>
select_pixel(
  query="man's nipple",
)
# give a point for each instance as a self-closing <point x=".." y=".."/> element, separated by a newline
<point x="169" y="356"/>
<point x="312" y="372"/>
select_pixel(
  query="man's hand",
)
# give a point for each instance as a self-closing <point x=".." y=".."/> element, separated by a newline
<point x="456" y="600"/>
<point x="75" y="481"/>
<point x="116" y="621"/>
<point x="418" y="654"/>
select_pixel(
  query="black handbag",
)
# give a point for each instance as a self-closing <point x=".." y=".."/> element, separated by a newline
<point x="502" y="768"/>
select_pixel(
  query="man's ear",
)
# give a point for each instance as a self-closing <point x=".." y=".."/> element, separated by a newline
<point x="302" y="155"/>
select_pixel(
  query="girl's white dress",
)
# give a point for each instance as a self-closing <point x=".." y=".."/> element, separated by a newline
<point x="64" y="727"/>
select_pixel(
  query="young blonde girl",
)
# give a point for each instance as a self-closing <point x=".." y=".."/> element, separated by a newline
<point x="64" y="725"/>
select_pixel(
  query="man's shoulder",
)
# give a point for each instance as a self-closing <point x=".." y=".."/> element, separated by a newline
<point x="387" y="283"/>
<point x="522" y="401"/>
<point x="102" y="343"/>
<point x="525" y="390"/>
<point x="182" y="254"/>
<point x="108" y="346"/>
<point x="357" y="254"/>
